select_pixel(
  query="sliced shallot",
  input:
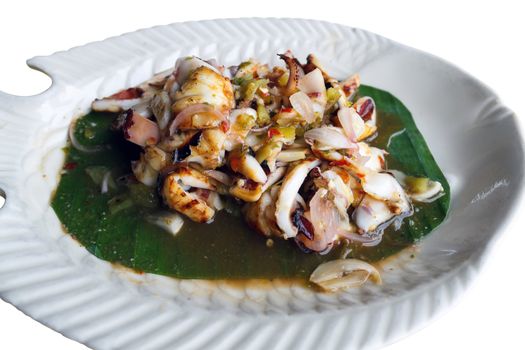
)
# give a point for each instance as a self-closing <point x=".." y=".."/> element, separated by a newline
<point x="344" y="273"/>
<point x="303" y="105"/>
<point x="351" y="122"/>
<point x="327" y="138"/>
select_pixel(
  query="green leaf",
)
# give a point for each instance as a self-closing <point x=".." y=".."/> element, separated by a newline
<point x="226" y="248"/>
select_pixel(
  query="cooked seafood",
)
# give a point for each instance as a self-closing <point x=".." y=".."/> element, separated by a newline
<point x="290" y="144"/>
<point x="344" y="273"/>
<point x="183" y="201"/>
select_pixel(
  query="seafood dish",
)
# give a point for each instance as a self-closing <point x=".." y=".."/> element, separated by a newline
<point x="250" y="171"/>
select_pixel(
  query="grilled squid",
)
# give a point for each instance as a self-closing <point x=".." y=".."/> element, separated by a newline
<point x="260" y="215"/>
<point x="287" y="195"/>
<point x="177" y="196"/>
<point x="296" y="72"/>
<point x="209" y="152"/>
<point x="205" y="86"/>
<point x="204" y="100"/>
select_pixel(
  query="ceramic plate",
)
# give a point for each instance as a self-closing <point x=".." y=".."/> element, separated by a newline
<point x="46" y="274"/>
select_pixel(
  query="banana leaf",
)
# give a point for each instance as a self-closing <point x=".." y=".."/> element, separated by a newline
<point x="114" y="225"/>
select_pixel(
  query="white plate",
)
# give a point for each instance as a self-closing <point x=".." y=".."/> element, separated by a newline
<point x="46" y="274"/>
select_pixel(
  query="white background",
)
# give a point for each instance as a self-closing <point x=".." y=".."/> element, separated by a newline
<point x="484" y="38"/>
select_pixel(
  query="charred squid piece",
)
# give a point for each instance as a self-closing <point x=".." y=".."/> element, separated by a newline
<point x="304" y="226"/>
<point x="209" y="152"/>
<point x="202" y="103"/>
<point x="177" y="197"/>
<point x="260" y="215"/>
<point x="243" y="163"/>
<point x="287" y="195"/>
<point x="198" y="116"/>
<point x="313" y="63"/>
<point x="183" y="68"/>
<point x="120" y="101"/>
<point x="205" y="86"/>
<point x="179" y="140"/>
<point x="246" y="190"/>
<point x="137" y="129"/>
<point x="296" y="72"/>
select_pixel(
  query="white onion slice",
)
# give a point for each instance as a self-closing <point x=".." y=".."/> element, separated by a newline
<point x="303" y="105"/>
<point x="312" y="83"/>
<point x="351" y="122"/>
<point x="328" y="138"/>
